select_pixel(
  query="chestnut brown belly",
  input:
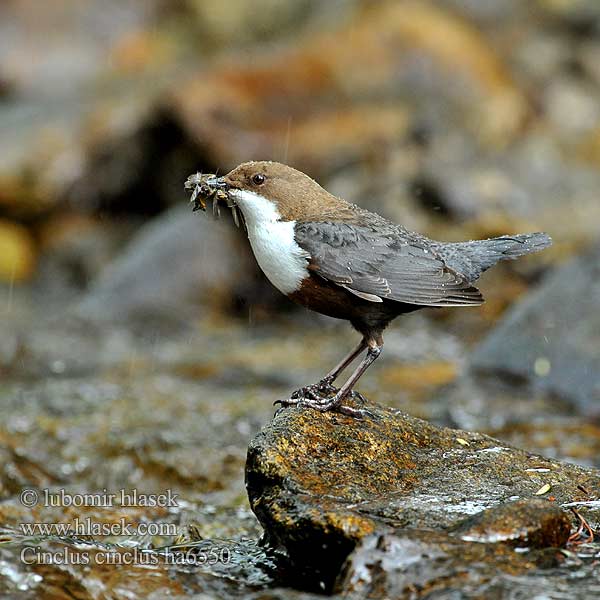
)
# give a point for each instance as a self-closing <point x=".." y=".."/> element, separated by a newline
<point x="332" y="300"/>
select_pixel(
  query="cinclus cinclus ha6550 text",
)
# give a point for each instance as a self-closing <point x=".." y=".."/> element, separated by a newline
<point x="341" y="260"/>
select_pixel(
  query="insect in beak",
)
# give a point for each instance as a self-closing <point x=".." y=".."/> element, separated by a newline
<point x="210" y="187"/>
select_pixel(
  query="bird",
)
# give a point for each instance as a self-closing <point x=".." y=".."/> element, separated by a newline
<point x="341" y="260"/>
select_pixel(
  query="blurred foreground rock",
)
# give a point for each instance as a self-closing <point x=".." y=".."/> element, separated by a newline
<point x="322" y="484"/>
<point x="143" y="429"/>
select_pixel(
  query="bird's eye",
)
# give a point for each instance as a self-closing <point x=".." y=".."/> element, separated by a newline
<point x="258" y="178"/>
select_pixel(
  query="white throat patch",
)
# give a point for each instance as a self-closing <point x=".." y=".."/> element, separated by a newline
<point x="272" y="241"/>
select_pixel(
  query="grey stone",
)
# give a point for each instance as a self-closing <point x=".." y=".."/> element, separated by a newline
<point x="425" y="564"/>
<point x="175" y="265"/>
<point x="551" y="339"/>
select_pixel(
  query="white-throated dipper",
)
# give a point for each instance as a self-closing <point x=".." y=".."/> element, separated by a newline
<point x="341" y="260"/>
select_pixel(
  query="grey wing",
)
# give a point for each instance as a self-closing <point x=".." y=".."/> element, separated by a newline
<point x="376" y="267"/>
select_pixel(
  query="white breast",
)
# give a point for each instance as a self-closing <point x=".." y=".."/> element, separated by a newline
<point x="272" y="241"/>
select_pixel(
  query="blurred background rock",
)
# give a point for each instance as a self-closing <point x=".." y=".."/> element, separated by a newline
<point x="457" y="118"/>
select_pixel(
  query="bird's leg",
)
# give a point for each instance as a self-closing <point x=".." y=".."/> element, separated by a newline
<point x="335" y="403"/>
<point x="325" y="404"/>
<point x="315" y="391"/>
<point x="334" y="373"/>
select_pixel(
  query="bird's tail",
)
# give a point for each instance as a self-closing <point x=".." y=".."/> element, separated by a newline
<point x="473" y="258"/>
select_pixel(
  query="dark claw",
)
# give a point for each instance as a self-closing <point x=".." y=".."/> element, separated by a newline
<point x="321" y="396"/>
<point x="278" y="410"/>
<point x="358" y="396"/>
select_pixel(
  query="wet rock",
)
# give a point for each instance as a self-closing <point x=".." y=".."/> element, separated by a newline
<point x="525" y="523"/>
<point x="122" y="432"/>
<point x="46" y="51"/>
<point x="281" y="593"/>
<point x="556" y="434"/>
<point x="409" y="562"/>
<point x="551" y="340"/>
<point x="406" y="564"/>
<point x="571" y="107"/>
<point x="175" y="265"/>
<point x="273" y="105"/>
<point x="59" y="74"/>
<point x="320" y="483"/>
<point x="530" y="185"/>
<point x="235" y="23"/>
<point x="74" y="250"/>
<point x="583" y="16"/>
<point x="426" y="564"/>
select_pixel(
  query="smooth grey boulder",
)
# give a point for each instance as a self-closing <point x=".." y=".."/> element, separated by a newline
<point x="551" y="340"/>
<point x="173" y="266"/>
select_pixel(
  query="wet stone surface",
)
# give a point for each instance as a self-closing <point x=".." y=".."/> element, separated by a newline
<point x="522" y="523"/>
<point x="320" y="484"/>
<point x="428" y="564"/>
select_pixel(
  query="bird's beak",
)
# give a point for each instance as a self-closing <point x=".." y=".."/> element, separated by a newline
<point x="217" y="183"/>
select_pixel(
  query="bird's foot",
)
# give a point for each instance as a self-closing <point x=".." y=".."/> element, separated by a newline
<point x="315" y="391"/>
<point x="318" y="396"/>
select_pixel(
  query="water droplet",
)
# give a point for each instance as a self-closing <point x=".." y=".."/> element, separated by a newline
<point x="58" y="366"/>
<point x="542" y="366"/>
